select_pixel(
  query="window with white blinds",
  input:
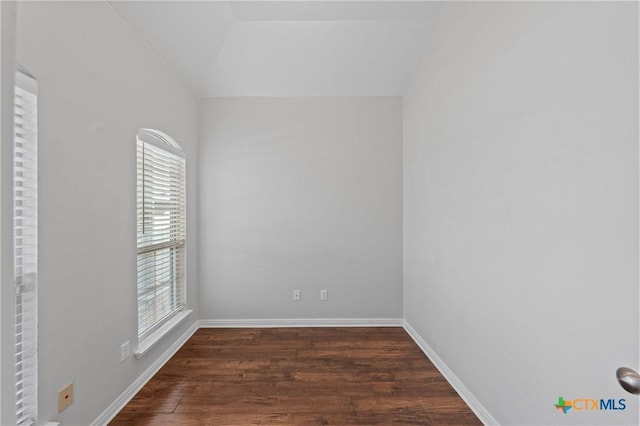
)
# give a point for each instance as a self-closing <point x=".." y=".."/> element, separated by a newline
<point x="161" y="195"/>
<point x="25" y="245"/>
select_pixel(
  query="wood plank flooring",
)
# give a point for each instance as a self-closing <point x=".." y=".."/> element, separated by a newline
<point x="298" y="376"/>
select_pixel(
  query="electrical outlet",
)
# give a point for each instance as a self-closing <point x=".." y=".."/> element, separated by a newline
<point x="125" y="351"/>
<point x="324" y="295"/>
<point x="296" y="295"/>
<point x="65" y="397"/>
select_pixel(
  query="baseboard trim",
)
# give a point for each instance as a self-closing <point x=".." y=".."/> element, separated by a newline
<point x="475" y="405"/>
<point x="142" y="380"/>
<point x="302" y="322"/>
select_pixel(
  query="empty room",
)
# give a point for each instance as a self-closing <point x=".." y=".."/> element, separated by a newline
<point x="319" y="213"/>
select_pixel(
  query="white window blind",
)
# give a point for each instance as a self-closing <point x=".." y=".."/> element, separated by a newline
<point x="161" y="194"/>
<point x="25" y="225"/>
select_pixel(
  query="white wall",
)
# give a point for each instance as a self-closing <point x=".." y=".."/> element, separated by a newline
<point x="300" y="193"/>
<point x="98" y="84"/>
<point x="521" y="204"/>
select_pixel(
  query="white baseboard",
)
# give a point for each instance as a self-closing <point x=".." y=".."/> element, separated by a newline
<point x="117" y="405"/>
<point x="475" y="405"/>
<point x="303" y="322"/>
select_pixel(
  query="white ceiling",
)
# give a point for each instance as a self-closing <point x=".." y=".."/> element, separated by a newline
<point x="285" y="48"/>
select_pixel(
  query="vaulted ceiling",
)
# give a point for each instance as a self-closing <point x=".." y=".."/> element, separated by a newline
<point x="285" y="48"/>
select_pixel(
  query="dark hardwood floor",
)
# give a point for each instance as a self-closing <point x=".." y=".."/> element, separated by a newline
<point x="298" y="376"/>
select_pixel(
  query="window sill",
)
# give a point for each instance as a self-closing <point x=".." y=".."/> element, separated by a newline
<point x="151" y="340"/>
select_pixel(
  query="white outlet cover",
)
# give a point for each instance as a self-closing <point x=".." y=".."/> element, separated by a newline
<point x="125" y="351"/>
<point x="324" y="295"/>
<point x="296" y="295"/>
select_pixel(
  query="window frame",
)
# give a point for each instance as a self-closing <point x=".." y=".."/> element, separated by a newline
<point x="152" y="145"/>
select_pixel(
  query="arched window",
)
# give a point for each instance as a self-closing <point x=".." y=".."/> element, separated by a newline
<point x="161" y="230"/>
